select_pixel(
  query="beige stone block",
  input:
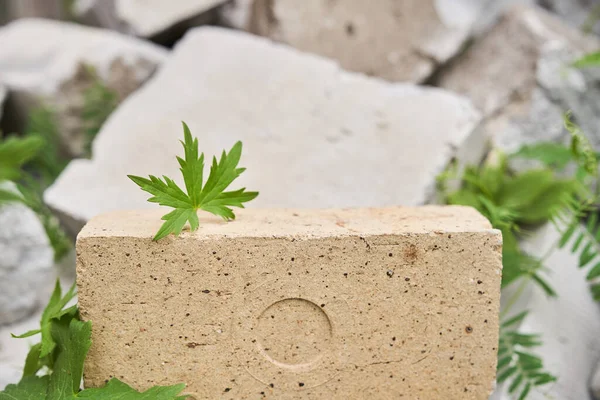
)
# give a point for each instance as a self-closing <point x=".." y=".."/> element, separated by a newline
<point x="382" y="303"/>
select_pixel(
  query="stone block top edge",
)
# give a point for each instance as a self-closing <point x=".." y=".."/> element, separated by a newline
<point x="309" y="223"/>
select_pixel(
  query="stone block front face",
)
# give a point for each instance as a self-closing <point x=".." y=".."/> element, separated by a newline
<point x="296" y="304"/>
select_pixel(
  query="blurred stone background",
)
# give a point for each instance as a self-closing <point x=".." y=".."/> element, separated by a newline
<point x="338" y="102"/>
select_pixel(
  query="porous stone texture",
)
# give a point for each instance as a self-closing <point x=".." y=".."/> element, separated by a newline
<point x="47" y="62"/>
<point x="26" y="260"/>
<point x="150" y="18"/>
<point x="289" y="304"/>
<point x="519" y="76"/>
<point x="314" y="135"/>
<point x="404" y="40"/>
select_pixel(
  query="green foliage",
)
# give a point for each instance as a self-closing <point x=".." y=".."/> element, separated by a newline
<point x="209" y="196"/>
<point x="29" y="388"/>
<point x="116" y="389"/>
<point x="47" y="164"/>
<point x="63" y="349"/>
<point x="512" y="201"/>
<point x="99" y="102"/>
<point x="589" y="60"/>
<point x="53" y="311"/>
<point x="553" y="155"/>
<point x="15" y="152"/>
<point x="31" y="193"/>
<point x="586" y="242"/>
<point x="516" y="362"/>
<point x="581" y="148"/>
<point x="37" y="153"/>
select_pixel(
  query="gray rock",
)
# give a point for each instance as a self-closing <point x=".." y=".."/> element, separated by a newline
<point x="26" y="264"/>
<point x="101" y="14"/>
<point x="153" y="18"/>
<point x="581" y="14"/>
<point x="314" y="135"/>
<point x="394" y="40"/>
<point x="53" y="9"/>
<point x="571" y="88"/>
<point x="43" y="61"/>
<point x="236" y="14"/>
<point x="518" y="74"/>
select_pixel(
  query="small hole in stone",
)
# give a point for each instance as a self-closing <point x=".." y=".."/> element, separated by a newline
<point x="300" y="384"/>
<point x="469" y="329"/>
<point x="350" y="29"/>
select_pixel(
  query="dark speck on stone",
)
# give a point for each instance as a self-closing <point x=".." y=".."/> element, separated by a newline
<point x="300" y="384"/>
<point x="390" y="273"/>
<point x="206" y="291"/>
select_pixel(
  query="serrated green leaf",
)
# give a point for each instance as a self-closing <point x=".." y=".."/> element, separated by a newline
<point x="175" y="221"/>
<point x="117" y="390"/>
<point x="29" y="388"/>
<point x="26" y="334"/>
<point x="73" y="339"/>
<point x="32" y="361"/>
<point x="568" y="234"/>
<point x="54" y="310"/>
<point x="209" y="196"/>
